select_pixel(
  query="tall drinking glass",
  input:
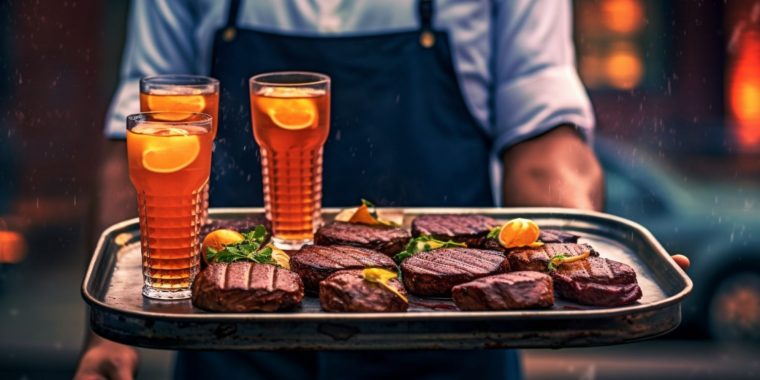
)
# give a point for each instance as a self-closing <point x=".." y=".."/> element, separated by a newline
<point x="290" y="112"/>
<point x="182" y="93"/>
<point x="169" y="156"/>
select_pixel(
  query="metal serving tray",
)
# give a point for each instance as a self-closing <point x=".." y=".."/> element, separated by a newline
<point x="113" y="282"/>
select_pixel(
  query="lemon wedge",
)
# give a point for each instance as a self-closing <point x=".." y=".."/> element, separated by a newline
<point x="170" y="154"/>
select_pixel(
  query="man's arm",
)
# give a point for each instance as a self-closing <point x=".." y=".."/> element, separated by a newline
<point x="557" y="169"/>
<point x="554" y="169"/>
<point x="115" y="201"/>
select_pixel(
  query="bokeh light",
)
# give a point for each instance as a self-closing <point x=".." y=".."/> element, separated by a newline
<point x="744" y="90"/>
<point x="623" y="66"/>
<point x="623" y="16"/>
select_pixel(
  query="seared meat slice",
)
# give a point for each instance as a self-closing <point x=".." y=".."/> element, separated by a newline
<point x="241" y="225"/>
<point x="245" y="286"/>
<point x="537" y="259"/>
<point x="557" y="236"/>
<point x="314" y="262"/>
<point x="388" y="240"/>
<point x="597" y="281"/>
<point x="434" y="273"/>
<point x="347" y="291"/>
<point x="507" y="291"/>
<point x="546" y="236"/>
<point x="470" y="229"/>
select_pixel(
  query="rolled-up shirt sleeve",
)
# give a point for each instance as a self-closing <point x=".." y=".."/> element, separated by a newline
<point x="536" y="86"/>
<point x="160" y="39"/>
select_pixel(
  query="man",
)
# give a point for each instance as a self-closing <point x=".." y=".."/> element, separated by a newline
<point x="452" y="103"/>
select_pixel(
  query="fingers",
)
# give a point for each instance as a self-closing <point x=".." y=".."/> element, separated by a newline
<point x="682" y="261"/>
<point x="123" y="373"/>
<point x="108" y="360"/>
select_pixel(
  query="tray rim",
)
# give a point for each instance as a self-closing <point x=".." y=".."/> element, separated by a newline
<point x="452" y="315"/>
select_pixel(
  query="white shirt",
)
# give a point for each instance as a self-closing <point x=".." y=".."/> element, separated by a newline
<point x="514" y="59"/>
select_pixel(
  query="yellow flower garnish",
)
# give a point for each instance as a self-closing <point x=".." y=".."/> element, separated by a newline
<point x="382" y="277"/>
<point x="556" y="261"/>
<point x="280" y="257"/>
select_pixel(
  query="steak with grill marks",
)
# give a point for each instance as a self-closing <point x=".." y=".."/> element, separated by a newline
<point x="537" y="259"/>
<point x="557" y="236"/>
<point x="507" y="291"/>
<point x="314" y="263"/>
<point x="241" y="225"/>
<point x="388" y="240"/>
<point x="434" y="273"/>
<point x="597" y="281"/>
<point x="470" y="229"/>
<point x="245" y="286"/>
<point x="347" y="290"/>
<point x="546" y="236"/>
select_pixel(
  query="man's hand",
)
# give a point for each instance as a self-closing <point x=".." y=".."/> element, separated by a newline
<point x="556" y="169"/>
<point x="103" y="359"/>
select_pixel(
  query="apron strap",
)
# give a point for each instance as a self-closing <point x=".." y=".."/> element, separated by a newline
<point x="425" y="13"/>
<point x="232" y="15"/>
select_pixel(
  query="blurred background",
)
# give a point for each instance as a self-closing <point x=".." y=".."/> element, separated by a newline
<point x="676" y="90"/>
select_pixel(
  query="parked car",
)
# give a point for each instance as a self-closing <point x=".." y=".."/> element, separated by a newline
<point x="717" y="226"/>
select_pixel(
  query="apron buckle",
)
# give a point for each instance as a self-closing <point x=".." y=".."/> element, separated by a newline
<point x="427" y="39"/>
<point x="229" y="34"/>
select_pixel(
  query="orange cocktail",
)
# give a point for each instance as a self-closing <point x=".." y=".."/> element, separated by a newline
<point x="290" y="112"/>
<point x="182" y="93"/>
<point x="169" y="158"/>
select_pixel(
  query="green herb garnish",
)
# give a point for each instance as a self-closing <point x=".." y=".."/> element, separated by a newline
<point x="424" y="243"/>
<point x="557" y="260"/>
<point x="249" y="249"/>
<point x="494" y="233"/>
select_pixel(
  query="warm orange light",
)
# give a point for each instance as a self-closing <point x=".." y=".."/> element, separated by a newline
<point x="623" y="16"/>
<point x="12" y="247"/>
<point x="623" y="67"/>
<point x="744" y="90"/>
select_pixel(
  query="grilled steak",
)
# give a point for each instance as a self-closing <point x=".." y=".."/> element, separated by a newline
<point x="347" y="290"/>
<point x="240" y="225"/>
<point x="507" y="291"/>
<point x="597" y="281"/>
<point x="537" y="259"/>
<point x="557" y="236"/>
<point x="388" y="240"/>
<point x="463" y="228"/>
<point x="245" y="286"/>
<point x="546" y="236"/>
<point x="314" y="263"/>
<point x="434" y="273"/>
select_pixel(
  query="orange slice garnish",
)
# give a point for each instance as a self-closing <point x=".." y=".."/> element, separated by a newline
<point x="170" y="153"/>
<point x="289" y="108"/>
<point x="519" y="233"/>
<point x="175" y="103"/>
<point x="217" y="239"/>
<point x="363" y="216"/>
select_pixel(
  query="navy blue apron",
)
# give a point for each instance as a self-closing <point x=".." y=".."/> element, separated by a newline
<point x="401" y="135"/>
